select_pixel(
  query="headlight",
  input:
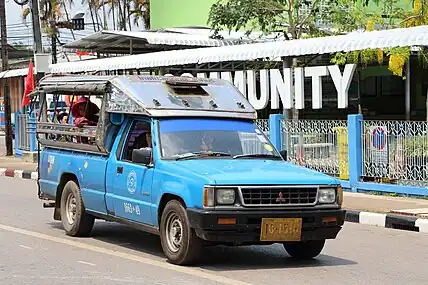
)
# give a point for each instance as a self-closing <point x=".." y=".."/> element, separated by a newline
<point x="327" y="195"/>
<point x="225" y="196"/>
<point x="214" y="196"/>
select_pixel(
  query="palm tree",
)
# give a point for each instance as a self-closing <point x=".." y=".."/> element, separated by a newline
<point x="141" y="12"/>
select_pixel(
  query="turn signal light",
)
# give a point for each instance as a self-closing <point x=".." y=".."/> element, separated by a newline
<point x="226" y="221"/>
<point x="339" y="192"/>
<point x="208" y="197"/>
<point x="329" y="219"/>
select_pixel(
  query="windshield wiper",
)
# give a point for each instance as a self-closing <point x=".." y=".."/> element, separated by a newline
<point x="201" y="154"/>
<point x="257" y="155"/>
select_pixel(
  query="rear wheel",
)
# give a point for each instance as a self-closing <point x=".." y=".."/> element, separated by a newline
<point x="75" y="220"/>
<point x="304" y="250"/>
<point x="179" y="241"/>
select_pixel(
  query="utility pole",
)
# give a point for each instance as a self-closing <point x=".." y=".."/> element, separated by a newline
<point x="38" y="49"/>
<point x="37" y="34"/>
<point x="54" y="50"/>
<point x="5" y="66"/>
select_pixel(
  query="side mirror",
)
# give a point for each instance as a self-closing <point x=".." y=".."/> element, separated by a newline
<point x="283" y="153"/>
<point x="142" y="155"/>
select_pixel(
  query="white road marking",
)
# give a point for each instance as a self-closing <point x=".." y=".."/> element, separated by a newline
<point x="24" y="246"/>
<point x="74" y="277"/>
<point x="181" y="269"/>
<point x="86" y="263"/>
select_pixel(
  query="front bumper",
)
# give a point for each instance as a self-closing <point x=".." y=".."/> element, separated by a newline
<point x="246" y="230"/>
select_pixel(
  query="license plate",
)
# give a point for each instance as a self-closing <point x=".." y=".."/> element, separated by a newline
<point x="281" y="230"/>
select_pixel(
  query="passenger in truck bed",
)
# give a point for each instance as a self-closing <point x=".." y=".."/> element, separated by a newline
<point x="85" y="113"/>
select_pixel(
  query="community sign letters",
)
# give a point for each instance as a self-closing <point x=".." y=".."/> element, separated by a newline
<point x="279" y="87"/>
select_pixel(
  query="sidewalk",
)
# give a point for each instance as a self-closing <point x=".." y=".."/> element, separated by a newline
<point x="385" y="204"/>
<point x="11" y="162"/>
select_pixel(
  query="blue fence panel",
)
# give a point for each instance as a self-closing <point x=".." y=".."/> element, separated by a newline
<point x="413" y="172"/>
<point x="355" y="150"/>
<point x="2" y="120"/>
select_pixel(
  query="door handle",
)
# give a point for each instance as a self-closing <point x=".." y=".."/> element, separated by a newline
<point x="120" y="169"/>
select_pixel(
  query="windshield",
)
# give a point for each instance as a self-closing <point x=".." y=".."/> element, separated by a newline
<point x="181" y="137"/>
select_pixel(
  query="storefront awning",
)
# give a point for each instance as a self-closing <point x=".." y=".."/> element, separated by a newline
<point x="417" y="36"/>
<point x="14" y="73"/>
<point x="121" y="42"/>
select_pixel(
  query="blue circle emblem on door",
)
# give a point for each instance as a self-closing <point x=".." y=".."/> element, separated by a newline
<point x="132" y="182"/>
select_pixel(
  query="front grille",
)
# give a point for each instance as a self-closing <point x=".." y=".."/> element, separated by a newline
<point x="277" y="196"/>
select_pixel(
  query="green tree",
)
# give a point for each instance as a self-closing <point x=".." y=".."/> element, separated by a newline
<point x="296" y="19"/>
<point x="291" y="18"/>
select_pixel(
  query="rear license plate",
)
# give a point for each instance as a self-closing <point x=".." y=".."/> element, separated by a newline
<point x="281" y="230"/>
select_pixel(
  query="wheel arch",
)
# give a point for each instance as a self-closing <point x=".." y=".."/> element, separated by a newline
<point x="166" y="197"/>
<point x="65" y="177"/>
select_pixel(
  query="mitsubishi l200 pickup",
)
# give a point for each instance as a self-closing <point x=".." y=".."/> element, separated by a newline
<point x="181" y="158"/>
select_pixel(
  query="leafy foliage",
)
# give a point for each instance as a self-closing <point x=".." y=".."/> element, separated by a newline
<point x="292" y="18"/>
<point x="312" y="18"/>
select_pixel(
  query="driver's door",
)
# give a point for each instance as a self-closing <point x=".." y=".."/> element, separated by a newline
<point x="130" y="183"/>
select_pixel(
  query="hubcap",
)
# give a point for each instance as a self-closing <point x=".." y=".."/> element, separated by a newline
<point x="174" y="232"/>
<point x="70" y="208"/>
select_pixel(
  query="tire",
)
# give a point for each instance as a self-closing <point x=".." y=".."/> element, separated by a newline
<point x="187" y="249"/>
<point x="71" y="201"/>
<point x="304" y="250"/>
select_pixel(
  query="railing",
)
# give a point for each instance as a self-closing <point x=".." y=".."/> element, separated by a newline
<point x="25" y="133"/>
<point x="396" y="152"/>
<point x="263" y="124"/>
<point x="23" y="142"/>
<point x="380" y="156"/>
<point x="250" y="142"/>
<point x="318" y="144"/>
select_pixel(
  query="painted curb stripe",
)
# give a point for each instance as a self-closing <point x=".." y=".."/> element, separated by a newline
<point x="22" y="174"/>
<point x="393" y="221"/>
<point x="374" y="219"/>
<point x="9" y="173"/>
<point x="26" y="174"/>
<point x="352" y="216"/>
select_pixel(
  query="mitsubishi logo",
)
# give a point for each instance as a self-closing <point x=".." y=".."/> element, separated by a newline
<point x="280" y="198"/>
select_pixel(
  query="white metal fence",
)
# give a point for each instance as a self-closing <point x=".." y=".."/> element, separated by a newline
<point x="396" y="151"/>
<point x="250" y="142"/>
<point x="263" y="124"/>
<point x="318" y="144"/>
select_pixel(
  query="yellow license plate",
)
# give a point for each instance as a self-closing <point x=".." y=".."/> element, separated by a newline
<point x="281" y="230"/>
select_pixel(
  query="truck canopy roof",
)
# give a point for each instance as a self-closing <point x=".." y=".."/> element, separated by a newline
<point x="156" y="96"/>
<point x="153" y="96"/>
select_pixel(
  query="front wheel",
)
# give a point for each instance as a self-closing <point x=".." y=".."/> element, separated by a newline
<point x="304" y="250"/>
<point x="75" y="220"/>
<point x="179" y="241"/>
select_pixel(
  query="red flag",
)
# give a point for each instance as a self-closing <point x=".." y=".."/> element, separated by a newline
<point x="29" y="84"/>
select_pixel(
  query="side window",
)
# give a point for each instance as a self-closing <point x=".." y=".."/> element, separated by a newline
<point x="139" y="136"/>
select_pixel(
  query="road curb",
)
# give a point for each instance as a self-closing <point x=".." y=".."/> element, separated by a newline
<point x="392" y="221"/>
<point x="21" y="174"/>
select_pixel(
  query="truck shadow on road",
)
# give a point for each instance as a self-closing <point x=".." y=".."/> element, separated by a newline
<point x="214" y="258"/>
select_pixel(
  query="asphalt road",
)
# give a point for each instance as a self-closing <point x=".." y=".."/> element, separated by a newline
<point x="35" y="250"/>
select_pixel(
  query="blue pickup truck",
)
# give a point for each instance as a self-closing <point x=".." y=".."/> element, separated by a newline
<point x="182" y="158"/>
